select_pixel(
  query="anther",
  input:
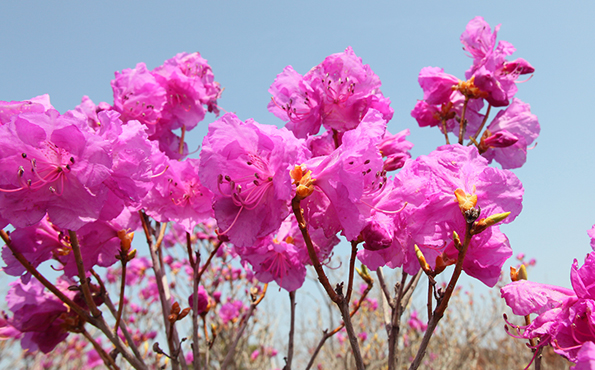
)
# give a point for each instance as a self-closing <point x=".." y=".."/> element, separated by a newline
<point x="227" y="178"/>
<point x="367" y="161"/>
<point x="24" y="155"/>
<point x="72" y="160"/>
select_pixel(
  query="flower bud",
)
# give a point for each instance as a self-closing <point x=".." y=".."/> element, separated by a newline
<point x="518" y="274"/>
<point x="422" y="261"/>
<point x="484" y="223"/>
<point x="466" y="201"/>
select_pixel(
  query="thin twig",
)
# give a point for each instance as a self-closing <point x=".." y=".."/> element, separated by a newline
<point x="213" y="253"/>
<point x="181" y="146"/>
<point x="444" y="299"/>
<point x="485" y="119"/>
<point x="76" y="250"/>
<point x="107" y="359"/>
<point x="164" y="296"/>
<point x="351" y="270"/>
<point x="463" y="123"/>
<point x="326" y="334"/>
<point x="110" y="305"/>
<point x="245" y="320"/>
<point x="445" y="132"/>
<point x="45" y="282"/>
<point x="195" y="347"/>
<point x="337" y="296"/>
<point x="124" y="261"/>
<point x="291" y="332"/>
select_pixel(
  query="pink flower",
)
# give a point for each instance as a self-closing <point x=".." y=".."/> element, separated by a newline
<point x="436" y="84"/>
<point x="565" y="317"/>
<point x="38" y="315"/>
<point x="591" y="233"/>
<point x="396" y="149"/>
<point x="139" y="96"/>
<point x="428" y="184"/>
<point x="203" y="300"/>
<point x="294" y="100"/>
<point x="585" y="359"/>
<point x="38" y="104"/>
<point x="231" y="311"/>
<point x="510" y="133"/>
<point x="246" y="165"/>
<point x="178" y="195"/>
<point x="189" y="83"/>
<point x="349" y="181"/>
<point x="432" y="115"/>
<point x="54" y="164"/>
<point x="278" y="260"/>
<point x="337" y="93"/>
<point x="493" y="73"/>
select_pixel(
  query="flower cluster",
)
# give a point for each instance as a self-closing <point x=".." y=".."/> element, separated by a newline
<point x="448" y="101"/>
<point x="565" y="316"/>
<point x="277" y="198"/>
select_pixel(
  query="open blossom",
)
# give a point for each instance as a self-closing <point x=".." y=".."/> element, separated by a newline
<point x="350" y="181"/>
<point x="278" y="260"/>
<point x="509" y="134"/>
<point x="189" y="83"/>
<point x="139" y="96"/>
<point x="55" y="164"/>
<point x="492" y="73"/>
<point x="336" y="93"/>
<point x="565" y="317"/>
<point x="10" y="109"/>
<point x="42" y="319"/>
<point x="178" y="195"/>
<point x="432" y="213"/>
<point x="436" y="84"/>
<point x="432" y="115"/>
<point x="246" y="165"/>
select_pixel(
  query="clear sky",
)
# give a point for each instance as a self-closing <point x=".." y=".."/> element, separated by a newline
<point x="72" y="48"/>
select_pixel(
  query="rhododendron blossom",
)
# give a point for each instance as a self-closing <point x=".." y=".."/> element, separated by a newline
<point x="337" y="94"/>
<point x="492" y="73"/>
<point x="246" y="165"/>
<point x="55" y="164"/>
<point x="518" y="128"/>
<point x="565" y="318"/>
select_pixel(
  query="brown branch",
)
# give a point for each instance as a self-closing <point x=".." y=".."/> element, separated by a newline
<point x="213" y="253"/>
<point x="45" y="282"/>
<point x="164" y="295"/>
<point x="442" y="304"/>
<point x="289" y="358"/>
<point x="485" y="119"/>
<point x="195" y="348"/>
<point x="463" y="123"/>
<point x="110" y="305"/>
<point x="243" y="325"/>
<point x="337" y="296"/>
<point x="107" y="359"/>
<point x="76" y="249"/>
<point x="297" y="211"/>
<point x="351" y="270"/>
<point x="326" y="335"/>
<point x="124" y="261"/>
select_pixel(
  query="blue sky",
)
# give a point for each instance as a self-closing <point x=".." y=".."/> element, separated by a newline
<point x="72" y="48"/>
